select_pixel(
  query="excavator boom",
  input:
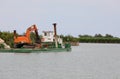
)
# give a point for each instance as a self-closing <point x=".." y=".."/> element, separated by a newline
<point x="25" y="39"/>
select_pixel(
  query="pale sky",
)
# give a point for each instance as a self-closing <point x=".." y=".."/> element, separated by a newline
<point x="73" y="17"/>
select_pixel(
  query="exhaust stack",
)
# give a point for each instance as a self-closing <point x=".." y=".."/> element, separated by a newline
<point x="55" y="35"/>
<point x="15" y="35"/>
<point x="55" y="31"/>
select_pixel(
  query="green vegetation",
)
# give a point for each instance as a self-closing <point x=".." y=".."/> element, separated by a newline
<point x="97" y="38"/>
<point x="69" y="38"/>
<point x="2" y="46"/>
<point x="8" y="38"/>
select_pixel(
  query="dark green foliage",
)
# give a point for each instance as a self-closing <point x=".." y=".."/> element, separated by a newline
<point x="98" y="35"/>
<point x="8" y="38"/>
<point x="69" y="38"/>
<point x="33" y="37"/>
<point x="2" y="46"/>
<point x="84" y="36"/>
<point x="108" y="36"/>
<point x="97" y="38"/>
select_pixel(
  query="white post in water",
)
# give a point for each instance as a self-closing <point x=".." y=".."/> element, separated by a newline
<point x="55" y="35"/>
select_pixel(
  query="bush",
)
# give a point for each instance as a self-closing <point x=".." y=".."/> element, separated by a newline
<point x="2" y="46"/>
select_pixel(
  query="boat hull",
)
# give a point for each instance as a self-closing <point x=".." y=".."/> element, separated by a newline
<point x="23" y="50"/>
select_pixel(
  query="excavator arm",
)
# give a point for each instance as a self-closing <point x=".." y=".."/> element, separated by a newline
<point x="29" y="30"/>
<point x="25" y="39"/>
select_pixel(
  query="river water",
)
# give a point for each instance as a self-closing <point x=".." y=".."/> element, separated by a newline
<point x="87" y="61"/>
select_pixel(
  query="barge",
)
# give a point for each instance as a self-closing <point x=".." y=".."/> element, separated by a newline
<point x="49" y="42"/>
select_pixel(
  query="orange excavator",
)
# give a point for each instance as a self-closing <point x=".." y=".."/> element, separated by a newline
<point x="25" y="40"/>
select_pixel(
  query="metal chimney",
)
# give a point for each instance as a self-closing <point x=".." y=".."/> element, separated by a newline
<point x="15" y="35"/>
<point x="55" y="31"/>
<point x="55" y="35"/>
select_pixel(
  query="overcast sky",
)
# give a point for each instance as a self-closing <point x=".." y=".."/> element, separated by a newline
<point x="73" y="17"/>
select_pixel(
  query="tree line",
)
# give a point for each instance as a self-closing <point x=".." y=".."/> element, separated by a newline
<point x="8" y="37"/>
<point x="97" y="38"/>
